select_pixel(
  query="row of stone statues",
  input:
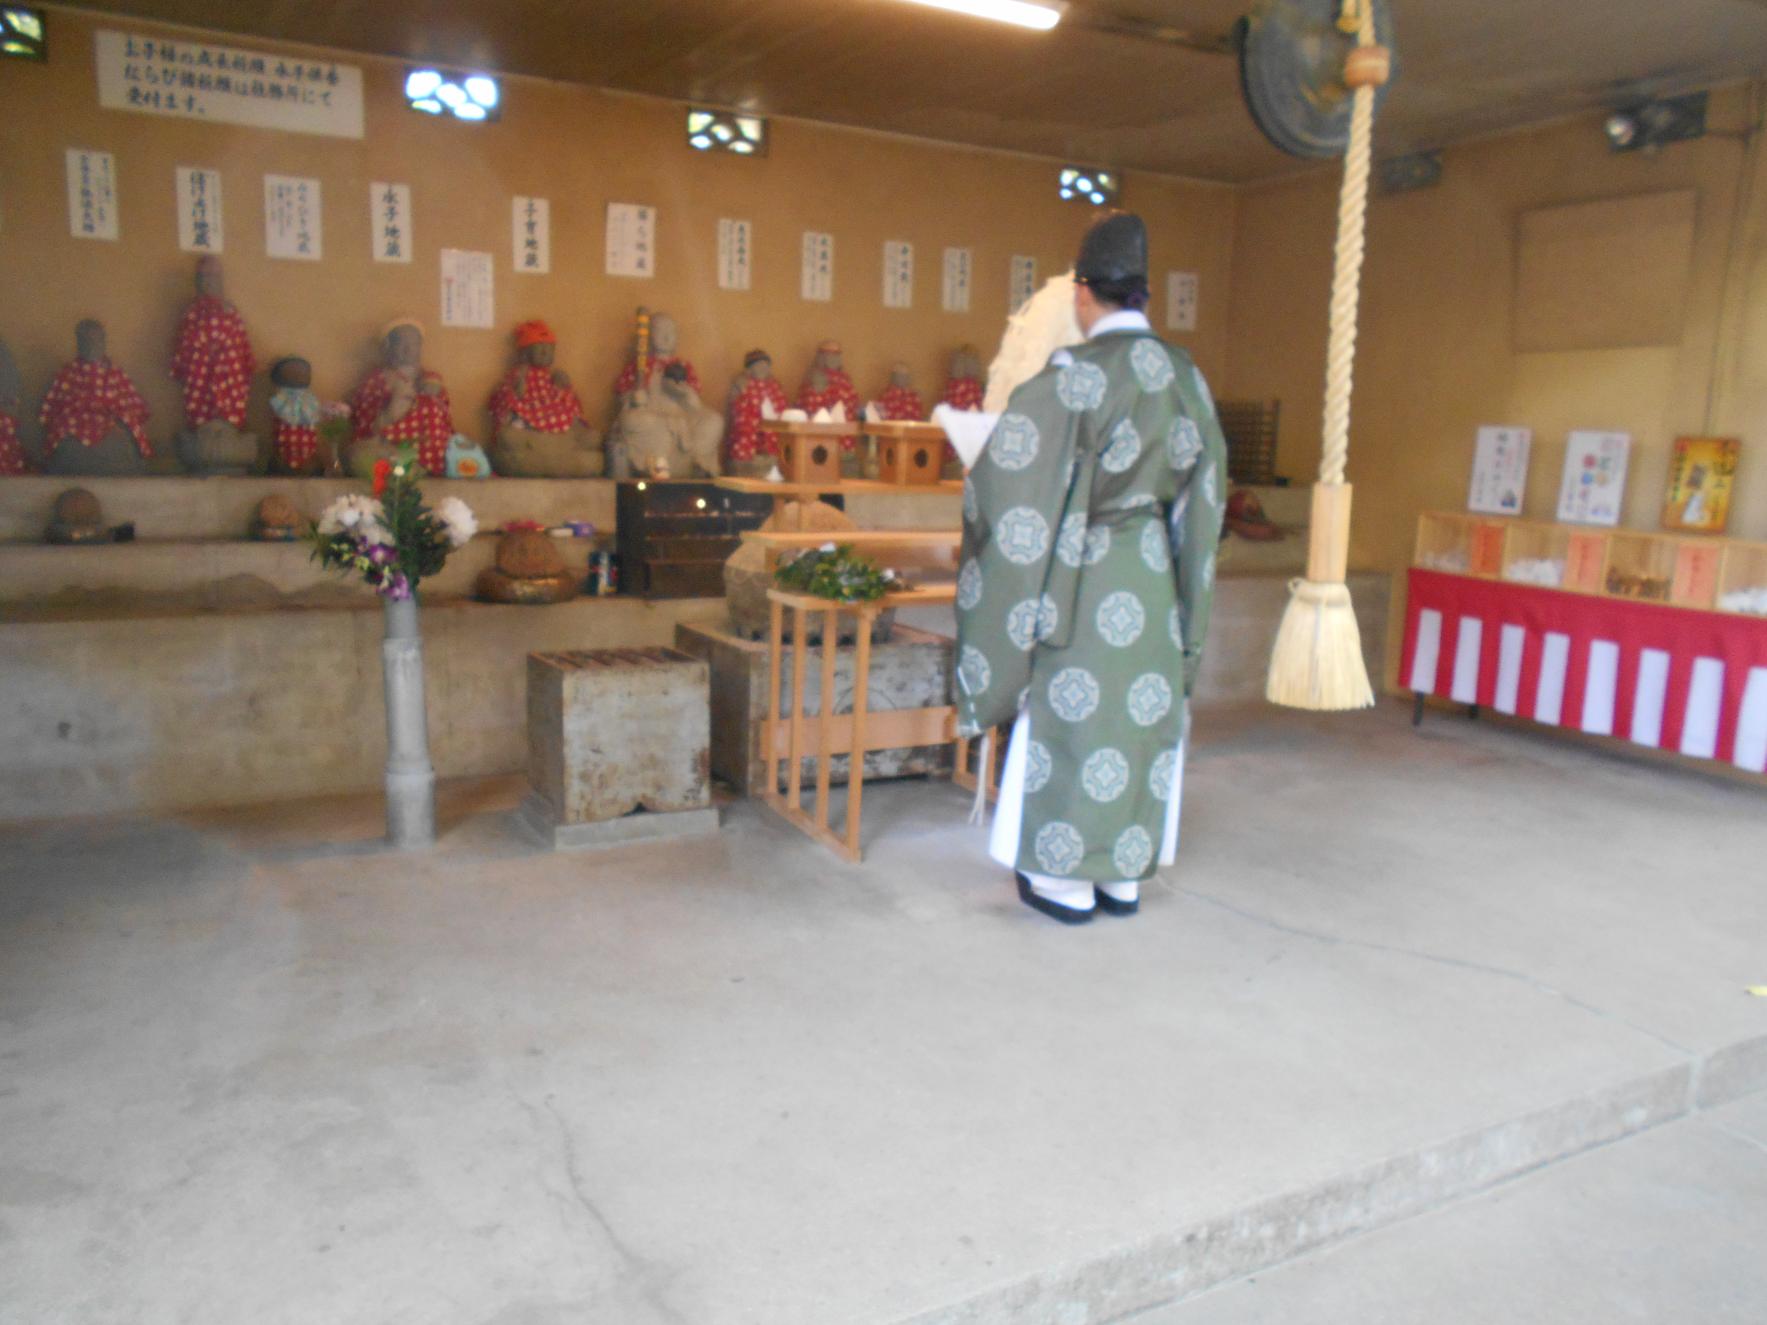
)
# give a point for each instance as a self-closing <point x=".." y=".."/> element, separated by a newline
<point x="95" y="420"/>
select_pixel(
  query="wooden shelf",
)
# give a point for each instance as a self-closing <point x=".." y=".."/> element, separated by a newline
<point x="1681" y="570"/>
<point x="869" y="539"/>
<point x="840" y="487"/>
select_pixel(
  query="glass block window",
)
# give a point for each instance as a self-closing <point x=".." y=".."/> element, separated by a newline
<point x="21" y="33"/>
<point x="726" y="131"/>
<point x="1098" y="187"/>
<point x="473" y="97"/>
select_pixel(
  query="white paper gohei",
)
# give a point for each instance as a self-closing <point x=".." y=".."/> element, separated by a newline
<point x="968" y="430"/>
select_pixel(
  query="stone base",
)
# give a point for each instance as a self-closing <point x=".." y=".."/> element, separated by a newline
<point x="910" y="670"/>
<point x="539" y="818"/>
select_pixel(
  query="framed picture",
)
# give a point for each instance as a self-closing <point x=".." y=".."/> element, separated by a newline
<point x="1594" y="487"/>
<point x="1500" y="471"/>
<point x="1702" y="471"/>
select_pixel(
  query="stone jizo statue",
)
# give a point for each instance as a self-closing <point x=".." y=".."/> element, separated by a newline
<point x="12" y="451"/>
<point x="661" y="426"/>
<point x="94" y="420"/>
<point x="756" y="398"/>
<point x="400" y="404"/>
<point x="537" y="419"/>
<point x="212" y="360"/>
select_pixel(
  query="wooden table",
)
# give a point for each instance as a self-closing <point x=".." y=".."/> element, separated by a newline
<point x="826" y="734"/>
<point x="784" y="494"/>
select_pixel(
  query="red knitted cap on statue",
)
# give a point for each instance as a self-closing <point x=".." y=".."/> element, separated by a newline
<point x="534" y="333"/>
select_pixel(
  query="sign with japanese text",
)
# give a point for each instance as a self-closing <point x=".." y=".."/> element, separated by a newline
<point x="91" y="194"/>
<point x="199" y="210"/>
<point x="531" y="235"/>
<point x="954" y="292"/>
<point x="631" y="239"/>
<point x="734" y="269"/>
<point x="817" y="280"/>
<point x="389" y="221"/>
<point x="200" y="80"/>
<point x="292" y="226"/>
<point x="1023" y="282"/>
<point x="898" y="274"/>
<point x="466" y="288"/>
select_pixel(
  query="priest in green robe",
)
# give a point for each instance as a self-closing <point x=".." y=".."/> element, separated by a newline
<point x="1090" y="526"/>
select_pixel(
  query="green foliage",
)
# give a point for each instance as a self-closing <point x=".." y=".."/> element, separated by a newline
<point x="838" y="573"/>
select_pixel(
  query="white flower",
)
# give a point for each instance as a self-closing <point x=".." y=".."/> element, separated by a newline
<point x="826" y="547"/>
<point x="456" y="519"/>
<point x="348" y="513"/>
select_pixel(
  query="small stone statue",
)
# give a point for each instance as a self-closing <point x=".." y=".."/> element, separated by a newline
<point x="12" y="452"/>
<point x="661" y="427"/>
<point x="756" y="397"/>
<point x="899" y="401"/>
<point x="963" y="388"/>
<point x="78" y="518"/>
<point x="827" y="386"/>
<point x="538" y="429"/>
<point x="94" y="420"/>
<point x="212" y="359"/>
<point x="400" y="404"/>
<point x="295" y="416"/>
<point x="276" y="520"/>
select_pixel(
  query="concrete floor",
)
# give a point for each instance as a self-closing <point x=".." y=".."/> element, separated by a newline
<point x="253" y="1070"/>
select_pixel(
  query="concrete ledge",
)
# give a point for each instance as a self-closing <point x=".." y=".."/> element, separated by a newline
<point x="537" y="818"/>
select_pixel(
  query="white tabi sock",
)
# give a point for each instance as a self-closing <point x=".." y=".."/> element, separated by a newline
<point x="1071" y="893"/>
<point x="1128" y="890"/>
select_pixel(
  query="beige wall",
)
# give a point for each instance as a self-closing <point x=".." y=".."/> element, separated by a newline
<point x="582" y="149"/>
<point x="1435" y="358"/>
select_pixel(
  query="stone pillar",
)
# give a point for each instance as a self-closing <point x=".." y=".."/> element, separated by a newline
<point x="411" y="780"/>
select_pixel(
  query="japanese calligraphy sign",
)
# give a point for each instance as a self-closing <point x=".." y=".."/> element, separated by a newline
<point x="389" y="221"/>
<point x="954" y="291"/>
<point x="199" y="210"/>
<point x="631" y="239"/>
<point x="531" y="235"/>
<point x="199" y="80"/>
<point x="898" y="274"/>
<point x="1022" y="284"/>
<point x="817" y="281"/>
<point x="734" y="269"/>
<point x="1183" y="289"/>
<point x="91" y="194"/>
<point x="466" y="288"/>
<point x="292" y="223"/>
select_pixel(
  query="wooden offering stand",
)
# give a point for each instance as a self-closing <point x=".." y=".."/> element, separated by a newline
<point x="811" y="452"/>
<point x="909" y="454"/>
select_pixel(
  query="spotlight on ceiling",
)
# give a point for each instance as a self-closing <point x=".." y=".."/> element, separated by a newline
<point x="1079" y="184"/>
<point x="21" y="33"/>
<point x="1021" y="13"/>
<point x="442" y="92"/>
<point x="1653" y="124"/>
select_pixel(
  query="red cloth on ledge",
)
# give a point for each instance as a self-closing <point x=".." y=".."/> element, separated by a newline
<point x="529" y="395"/>
<point x="12" y="455"/>
<point x="902" y="404"/>
<point x="840" y="391"/>
<point x="429" y="422"/>
<point x="295" y="444"/>
<point x="963" y="393"/>
<point x="86" y="400"/>
<point x="213" y="359"/>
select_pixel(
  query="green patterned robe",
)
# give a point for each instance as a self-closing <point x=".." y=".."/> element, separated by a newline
<point x="1090" y="525"/>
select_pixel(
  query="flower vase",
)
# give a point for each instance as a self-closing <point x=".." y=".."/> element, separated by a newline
<point x="411" y="780"/>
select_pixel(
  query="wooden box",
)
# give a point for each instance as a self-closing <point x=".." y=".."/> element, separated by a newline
<point x="811" y="452"/>
<point x="673" y="536"/>
<point x="909" y="453"/>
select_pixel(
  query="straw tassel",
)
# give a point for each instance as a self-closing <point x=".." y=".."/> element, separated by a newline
<point x="1317" y="662"/>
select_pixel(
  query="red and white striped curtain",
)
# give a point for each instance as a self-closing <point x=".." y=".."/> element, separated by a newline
<point x="1664" y="677"/>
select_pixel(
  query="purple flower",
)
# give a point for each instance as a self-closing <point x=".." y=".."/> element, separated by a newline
<point x="381" y="555"/>
<point x="396" y="587"/>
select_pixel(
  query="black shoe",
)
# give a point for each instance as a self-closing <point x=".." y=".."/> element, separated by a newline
<point x="1111" y="906"/>
<point x="1068" y="915"/>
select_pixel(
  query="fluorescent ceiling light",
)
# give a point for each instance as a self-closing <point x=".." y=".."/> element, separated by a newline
<point x="1020" y="12"/>
<point x="422" y="83"/>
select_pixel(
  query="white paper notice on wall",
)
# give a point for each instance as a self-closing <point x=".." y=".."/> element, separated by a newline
<point x="466" y="288"/>
<point x="898" y="274"/>
<point x="1182" y="288"/>
<point x="631" y="239"/>
<point x="1594" y="486"/>
<point x="389" y="221"/>
<point x="531" y="222"/>
<point x="734" y="262"/>
<point x="954" y="289"/>
<point x="1500" y="471"/>
<point x="199" y="80"/>
<point x="91" y="194"/>
<point x="1023" y="282"/>
<point x="199" y="209"/>
<point x="293" y="226"/>
<point x="817" y="281"/>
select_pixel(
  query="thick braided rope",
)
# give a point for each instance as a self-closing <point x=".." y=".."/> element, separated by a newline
<point x="1346" y="278"/>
